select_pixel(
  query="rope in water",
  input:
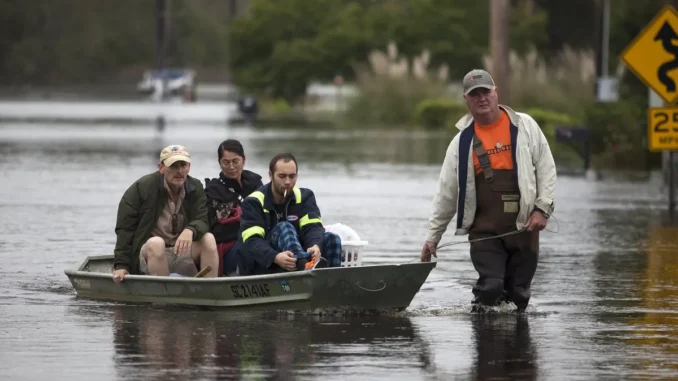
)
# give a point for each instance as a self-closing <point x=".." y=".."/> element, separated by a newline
<point x="448" y="244"/>
<point x="495" y="236"/>
<point x="481" y="239"/>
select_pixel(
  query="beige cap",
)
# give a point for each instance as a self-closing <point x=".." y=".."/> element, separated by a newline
<point x="171" y="154"/>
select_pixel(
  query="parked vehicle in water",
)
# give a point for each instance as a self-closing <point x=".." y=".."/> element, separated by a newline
<point x="180" y="83"/>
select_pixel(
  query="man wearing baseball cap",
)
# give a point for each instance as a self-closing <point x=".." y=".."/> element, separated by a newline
<point x="499" y="178"/>
<point x="162" y="224"/>
<point x="477" y="79"/>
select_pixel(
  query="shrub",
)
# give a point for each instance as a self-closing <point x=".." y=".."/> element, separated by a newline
<point x="276" y="107"/>
<point x="391" y="87"/>
<point x="564" y="83"/>
<point x="438" y="112"/>
<point x="549" y="120"/>
<point x="565" y="154"/>
<point x="618" y="133"/>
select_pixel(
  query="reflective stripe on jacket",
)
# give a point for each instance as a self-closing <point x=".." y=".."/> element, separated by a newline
<point x="259" y="218"/>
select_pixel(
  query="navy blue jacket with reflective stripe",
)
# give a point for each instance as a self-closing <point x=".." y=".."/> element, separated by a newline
<point x="259" y="218"/>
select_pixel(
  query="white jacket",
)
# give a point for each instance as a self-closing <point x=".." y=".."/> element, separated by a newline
<point x="536" y="176"/>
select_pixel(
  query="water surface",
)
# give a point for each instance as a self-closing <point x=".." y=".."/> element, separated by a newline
<point x="605" y="296"/>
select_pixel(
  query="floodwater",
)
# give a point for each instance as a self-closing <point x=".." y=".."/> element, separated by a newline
<point x="605" y="296"/>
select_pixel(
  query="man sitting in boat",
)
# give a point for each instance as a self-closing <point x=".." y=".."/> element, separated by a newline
<point x="162" y="222"/>
<point x="281" y="228"/>
<point x="225" y="195"/>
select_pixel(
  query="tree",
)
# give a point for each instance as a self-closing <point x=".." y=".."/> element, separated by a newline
<point x="281" y="46"/>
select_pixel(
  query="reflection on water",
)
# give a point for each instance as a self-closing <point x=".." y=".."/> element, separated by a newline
<point x="661" y="286"/>
<point x="359" y="146"/>
<point x="309" y="146"/>
<point x="168" y="343"/>
<point x="171" y="343"/>
<point x="656" y="329"/>
<point x="504" y="348"/>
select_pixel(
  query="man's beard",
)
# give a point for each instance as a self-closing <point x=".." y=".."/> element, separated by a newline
<point x="281" y="191"/>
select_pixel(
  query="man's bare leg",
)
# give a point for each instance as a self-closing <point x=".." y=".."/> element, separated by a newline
<point x="205" y="251"/>
<point x="156" y="260"/>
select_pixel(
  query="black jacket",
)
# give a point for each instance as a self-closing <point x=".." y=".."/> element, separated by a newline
<point x="224" y="192"/>
<point x="254" y="254"/>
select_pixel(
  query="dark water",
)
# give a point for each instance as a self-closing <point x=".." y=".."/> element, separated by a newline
<point x="605" y="304"/>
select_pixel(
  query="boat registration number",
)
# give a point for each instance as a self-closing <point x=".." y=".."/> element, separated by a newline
<point x="257" y="290"/>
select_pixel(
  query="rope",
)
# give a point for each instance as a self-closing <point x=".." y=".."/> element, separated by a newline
<point x="480" y="239"/>
<point x="448" y="244"/>
<point x="496" y="236"/>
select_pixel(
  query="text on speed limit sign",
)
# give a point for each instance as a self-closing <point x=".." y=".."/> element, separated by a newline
<point x="662" y="125"/>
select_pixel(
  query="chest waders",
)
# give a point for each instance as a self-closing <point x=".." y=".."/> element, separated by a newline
<point x="505" y="265"/>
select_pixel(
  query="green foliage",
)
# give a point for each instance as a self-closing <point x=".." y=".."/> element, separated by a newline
<point x="618" y="135"/>
<point x="276" y="107"/>
<point x="549" y="120"/>
<point x="385" y="101"/>
<point x="203" y="38"/>
<point x="276" y="48"/>
<point x="611" y="124"/>
<point x="438" y="112"/>
<point x="80" y="41"/>
<point x="565" y="154"/>
<point x="70" y="41"/>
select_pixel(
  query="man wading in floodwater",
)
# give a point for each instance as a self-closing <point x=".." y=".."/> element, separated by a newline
<point x="498" y="176"/>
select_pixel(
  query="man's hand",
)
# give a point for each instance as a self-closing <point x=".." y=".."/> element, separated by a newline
<point x="286" y="260"/>
<point x="314" y="250"/>
<point x="535" y="222"/>
<point x="119" y="275"/>
<point x="184" y="241"/>
<point x="428" y="250"/>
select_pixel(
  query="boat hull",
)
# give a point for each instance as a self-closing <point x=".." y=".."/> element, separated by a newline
<point x="363" y="288"/>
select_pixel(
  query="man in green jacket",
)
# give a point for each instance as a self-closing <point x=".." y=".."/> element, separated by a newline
<point x="162" y="222"/>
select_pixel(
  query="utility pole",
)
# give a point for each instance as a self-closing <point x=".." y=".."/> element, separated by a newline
<point x="161" y="37"/>
<point x="161" y="41"/>
<point x="232" y="9"/>
<point x="499" y="46"/>
<point x="232" y="12"/>
<point x="605" y="54"/>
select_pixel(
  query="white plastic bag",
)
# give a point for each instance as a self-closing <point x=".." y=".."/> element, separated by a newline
<point x="343" y="231"/>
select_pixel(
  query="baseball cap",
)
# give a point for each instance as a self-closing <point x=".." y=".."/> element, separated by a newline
<point x="477" y="78"/>
<point x="171" y="154"/>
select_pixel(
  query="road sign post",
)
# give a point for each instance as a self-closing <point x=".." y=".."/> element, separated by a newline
<point x="662" y="125"/>
<point x="672" y="193"/>
<point x="653" y="58"/>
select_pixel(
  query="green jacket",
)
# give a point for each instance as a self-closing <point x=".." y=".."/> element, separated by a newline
<point x="139" y="210"/>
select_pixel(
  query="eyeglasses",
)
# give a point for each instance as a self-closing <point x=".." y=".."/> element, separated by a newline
<point x="227" y="163"/>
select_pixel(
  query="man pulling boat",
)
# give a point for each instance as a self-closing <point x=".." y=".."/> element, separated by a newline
<point x="499" y="178"/>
